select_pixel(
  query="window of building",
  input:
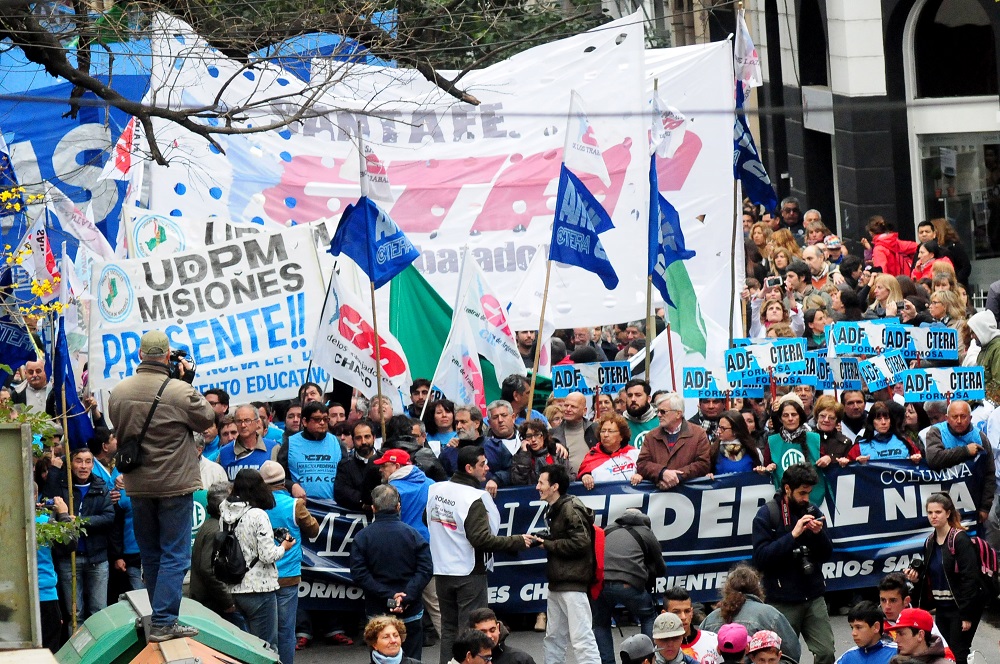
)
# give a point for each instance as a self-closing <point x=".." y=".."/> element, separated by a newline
<point x="954" y="50"/>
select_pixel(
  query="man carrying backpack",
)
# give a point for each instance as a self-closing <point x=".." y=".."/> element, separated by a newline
<point x="571" y="564"/>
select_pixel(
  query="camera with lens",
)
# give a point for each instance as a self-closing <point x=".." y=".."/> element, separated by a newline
<point x="174" y="366"/>
<point x="48" y="503"/>
<point x="801" y="554"/>
<point x="281" y="534"/>
<point x="392" y="603"/>
<point x="917" y="564"/>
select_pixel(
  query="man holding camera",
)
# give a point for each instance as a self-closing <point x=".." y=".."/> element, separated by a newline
<point x="790" y="546"/>
<point x="161" y="488"/>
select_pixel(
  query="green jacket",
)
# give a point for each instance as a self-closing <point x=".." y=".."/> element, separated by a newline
<point x="800" y="451"/>
<point x="570" y="549"/>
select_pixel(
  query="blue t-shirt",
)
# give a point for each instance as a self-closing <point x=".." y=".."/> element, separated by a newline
<point x="724" y="464"/>
<point x="312" y="464"/>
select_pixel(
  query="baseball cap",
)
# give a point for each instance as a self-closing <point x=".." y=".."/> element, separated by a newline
<point x="832" y="242"/>
<point x="154" y="343"/>
<point x="915" y="618"/>
<point x="667" y="626"/>
<point x="401" y="457"/>
<point x="732" y="638"/>
<point x="763" y="640"/>
<point x="636" y="648"/>
<point x="272" y="472"/>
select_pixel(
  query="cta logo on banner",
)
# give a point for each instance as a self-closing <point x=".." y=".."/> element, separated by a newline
<point x="239" y="309"/>
<point x="589" y="379"/>
<point x="961" y="383"/>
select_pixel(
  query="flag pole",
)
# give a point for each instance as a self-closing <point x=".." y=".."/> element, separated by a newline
<point x="538" y="339"/>
<point x="649" y="277"/>
<point x="670" y="352"/>
<point x="67" y="465"/>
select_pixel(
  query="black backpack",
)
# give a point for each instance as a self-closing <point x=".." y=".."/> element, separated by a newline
<point x="228" y="562"/>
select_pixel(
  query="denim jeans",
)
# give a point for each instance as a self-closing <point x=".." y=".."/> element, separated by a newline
<point x="288" y="604"/>
<point x="91" y="587"/>
<point x="637" y="601"/>
<point x="261" y="613"/>
<point x="163" y="532"/>
<point x="135" y="576"/>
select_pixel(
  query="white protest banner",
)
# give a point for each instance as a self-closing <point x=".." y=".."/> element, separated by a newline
<point x="244" y="310"/>
<point x="459" y="374"/>
<point x="479" y="176"/>
<point x="345" y="347"/>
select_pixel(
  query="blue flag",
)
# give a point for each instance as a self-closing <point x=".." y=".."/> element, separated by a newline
<point x="79" y="429"/>
<point x="666" y="239"/>
<point x="747" y="166"/>
<point x="16" y="345"/>
<point x="579" y="220"/>
<point x="373" y="240"/>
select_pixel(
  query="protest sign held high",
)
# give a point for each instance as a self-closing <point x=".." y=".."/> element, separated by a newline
<point x="239" y="309"/>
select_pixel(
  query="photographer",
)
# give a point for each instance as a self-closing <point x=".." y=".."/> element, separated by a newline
<point x="790" y="545"/>
<point x="161" y="488"/>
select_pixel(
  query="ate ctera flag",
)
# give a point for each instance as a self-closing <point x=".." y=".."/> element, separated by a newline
<point x="666" y="239"/>
<point x="747" y="166"/>
<point x="373" y="240"/>
<point x="79" y="429"/>
<point x="579" y="220"/>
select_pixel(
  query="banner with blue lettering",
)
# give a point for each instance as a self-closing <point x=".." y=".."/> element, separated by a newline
<point x="579" y="221"/>
<point x="752" y="364"/>
<point x="962" y="383"/>
<point x="238" y="308"/>
<point x="588" y="379"/>
<point x="935" y="342"/>
<point x="700" y="383"/>
<point x="875" y="513"/>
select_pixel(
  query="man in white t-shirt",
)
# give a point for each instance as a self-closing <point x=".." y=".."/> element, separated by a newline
<point x="698" y="644"/>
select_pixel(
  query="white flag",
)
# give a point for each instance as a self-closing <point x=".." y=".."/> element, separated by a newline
<point x="77" y="224"/>
<point x="545" y="352"/>
<point x="582" y="152"/>
<point x="668" y="128"/>
<point x="345" y="347"/>
<point x="44" y="268"/>
<point x="375" y="177"/>
<point x="487" y="318"/>
<point x="746" y="59"/>
<point x="459" y="374"/>
<point x="120" y="162"/>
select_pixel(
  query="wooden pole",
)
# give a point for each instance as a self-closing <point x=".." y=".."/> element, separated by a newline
<point x="378" y="358"/>
<point x="670" y="352"/>
<point x="67" y="466"/>
<point x="650" y="327"/>
<point x="538" y="339"/>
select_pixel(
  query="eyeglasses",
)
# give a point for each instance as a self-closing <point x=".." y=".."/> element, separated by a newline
<point x="485" y="658"/>
<point x="532" y="435"/>
<point x="722" y="428"/>
<point x="319" y="419"/>
<point x="609" y="432"/>
<point x="664" y="411"/>
<point x="245" y="422"/>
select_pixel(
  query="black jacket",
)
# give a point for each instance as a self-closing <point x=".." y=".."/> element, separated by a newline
<point x="420" y="455"/>
<point x="525" y="464"/>
<point x="964" y="583"/>
<point x="784" y="579"/>
<point x="570" y="549"/>
<point x="95" y="507"/>
<point x="352" y="488"/>
<point x="388" y="557"/>
<point x="505" y="654"/>
<point x="449" y="454"/>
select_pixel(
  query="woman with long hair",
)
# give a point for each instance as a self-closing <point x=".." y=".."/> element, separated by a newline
<point x="833" y="444"/>
<point x="847" y="305"/>
<point x="884" y="295"/>
<point x="915" y="421"/>
<point x="244" y="512"/>
<point x="760" y="235"/>
<point x="612" y="459"/>
<point x="947" y="238"/>
<point x="946" y="308"/>
<point x="883" y="438"/>
<point x="781" y="258"/>
<point x="439" y="418"/>
<point x="768" y="308"/>
<point x="792" y="442"/>
<point x="743" y="602"/>
<point x="385" y="636"/>
<point x="928" y="255"/>
<point x="948" y="578"/>
<point x="734" y="450"/>
<point x="783" y="239"/>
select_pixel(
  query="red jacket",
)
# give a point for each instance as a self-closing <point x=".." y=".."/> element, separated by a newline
<point x="927" y="271"/>
<point x="891" y="254"/>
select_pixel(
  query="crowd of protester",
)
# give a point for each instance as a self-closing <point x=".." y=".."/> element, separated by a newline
<point x="423" y="567"/>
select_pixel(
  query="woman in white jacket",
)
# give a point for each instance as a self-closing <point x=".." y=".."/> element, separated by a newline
<point x="256" y="595"/>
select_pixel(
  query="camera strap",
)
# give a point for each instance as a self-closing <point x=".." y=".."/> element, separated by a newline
<point x="149" y="417"/>
<point x="786" y="516"/>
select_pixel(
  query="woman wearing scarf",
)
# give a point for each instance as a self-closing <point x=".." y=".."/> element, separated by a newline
<point x="385" y="636"/>
<point x="883" y="439"/>
<point x="612" y="459"/>
<point x="794" y="443"/>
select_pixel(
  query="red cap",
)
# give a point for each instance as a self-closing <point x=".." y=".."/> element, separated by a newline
<point x="915" y="618"/>
<point x="401" y="457"/>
